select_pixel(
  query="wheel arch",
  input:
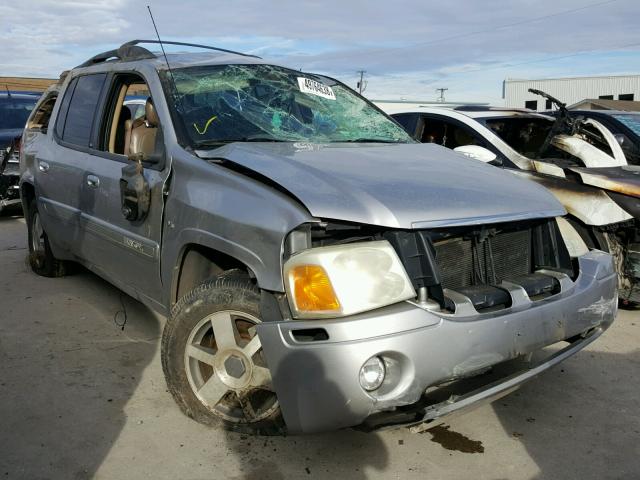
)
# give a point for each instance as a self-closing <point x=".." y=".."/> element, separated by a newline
<point x="197" y="262"/>
<point x="27" y="195"/>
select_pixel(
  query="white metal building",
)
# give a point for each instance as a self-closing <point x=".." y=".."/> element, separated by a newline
<point x="570" y="90"/>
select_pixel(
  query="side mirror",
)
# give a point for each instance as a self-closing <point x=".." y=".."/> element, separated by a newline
<point x="154" y="158"/>
<point x="620" y="138"/>
<point x="477" y="153"/>
<point x="135" y="194"/>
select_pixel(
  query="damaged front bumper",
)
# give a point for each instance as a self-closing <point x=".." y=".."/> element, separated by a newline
<point x="315" y="365"/>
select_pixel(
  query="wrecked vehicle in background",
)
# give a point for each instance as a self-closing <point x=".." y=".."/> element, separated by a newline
<point x="320" y="269"/>
<point x="14" y="110"/>
<point x="625" y="126"/>
<point x="579" y="160"/>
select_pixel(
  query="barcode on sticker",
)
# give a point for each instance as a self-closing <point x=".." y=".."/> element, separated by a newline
<point x="315" y="88"/>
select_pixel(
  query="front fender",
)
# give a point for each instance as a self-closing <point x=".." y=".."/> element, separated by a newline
<point x="590" y="205"/>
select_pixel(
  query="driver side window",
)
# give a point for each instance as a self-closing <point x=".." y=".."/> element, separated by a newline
<point x="131" y="127"/>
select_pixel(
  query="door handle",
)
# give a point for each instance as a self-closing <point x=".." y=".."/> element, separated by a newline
<point x="43" y="167"/>
<point x="93" y="181"/>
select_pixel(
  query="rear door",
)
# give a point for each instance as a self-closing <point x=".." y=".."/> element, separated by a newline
<point x="126" y="252"/>
<point x="60" y="158"/>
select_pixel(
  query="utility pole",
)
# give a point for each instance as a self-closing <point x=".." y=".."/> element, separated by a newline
<point x="361" y="85"/>
<point x="441" y="97"/>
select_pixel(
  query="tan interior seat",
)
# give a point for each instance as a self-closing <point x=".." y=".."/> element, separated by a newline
<point x="141" y="133"/>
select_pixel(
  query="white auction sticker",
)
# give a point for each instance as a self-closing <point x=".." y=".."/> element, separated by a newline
<point x="315" y="88"/>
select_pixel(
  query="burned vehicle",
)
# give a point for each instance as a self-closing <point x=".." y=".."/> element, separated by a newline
<point x="625" y="126"/>
<point x="14" y="110"/>
<point x="319" y="268"/>
<point x="578" y="159"/>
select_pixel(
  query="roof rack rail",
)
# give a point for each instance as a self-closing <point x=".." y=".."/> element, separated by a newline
<point x="471" y="108"/>
<point x="130" y="51"/>
<point x="480" y="108"/>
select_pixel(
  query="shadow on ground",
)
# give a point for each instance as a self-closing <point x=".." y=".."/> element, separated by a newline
<point x="66" y="370"/>
<point x="578" y="420"/>
<point x="342" y="454"/>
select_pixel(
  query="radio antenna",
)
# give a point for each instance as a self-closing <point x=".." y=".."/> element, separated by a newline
<point x="173" y="80"/>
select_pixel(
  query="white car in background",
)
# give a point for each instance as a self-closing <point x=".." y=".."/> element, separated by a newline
<point x="582" y="165"/>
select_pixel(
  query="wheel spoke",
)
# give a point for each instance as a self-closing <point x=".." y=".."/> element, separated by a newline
<point x="252" y="347"/>
<point x="247" y="408"/>
<point x="202" y="354"/>
<point x="261" y="378"/>
<point x="213" y="390"/>
<point x="224" y="330"/>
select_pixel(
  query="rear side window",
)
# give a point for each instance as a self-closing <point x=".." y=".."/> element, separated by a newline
<point x="78" y="109"/>
<point x="39" y="119"/>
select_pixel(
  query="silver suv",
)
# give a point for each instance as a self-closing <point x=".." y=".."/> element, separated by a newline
<point x="319" y="269"/>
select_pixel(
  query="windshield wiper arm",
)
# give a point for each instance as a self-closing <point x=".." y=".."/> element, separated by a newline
<point x="222" y="141"/>
<point x="366" y="140"/>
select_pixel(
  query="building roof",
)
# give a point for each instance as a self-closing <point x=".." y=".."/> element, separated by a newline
<point x="513" y="80"/>
<point x="602" y="104"/>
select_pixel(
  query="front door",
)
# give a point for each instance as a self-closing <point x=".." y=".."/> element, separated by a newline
<point x="124" y="251"/>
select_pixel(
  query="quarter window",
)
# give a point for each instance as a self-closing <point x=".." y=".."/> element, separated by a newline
<point x="77" y="118"/>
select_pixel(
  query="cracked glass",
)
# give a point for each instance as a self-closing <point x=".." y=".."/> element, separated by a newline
<point x="219" y="104"/>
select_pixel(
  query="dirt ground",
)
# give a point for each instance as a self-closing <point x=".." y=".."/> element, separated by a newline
<point x="82" y="398"/>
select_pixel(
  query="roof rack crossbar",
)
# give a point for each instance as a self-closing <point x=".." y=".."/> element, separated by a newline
<point x="184" y="44"/>
<point x="131" y="51"/>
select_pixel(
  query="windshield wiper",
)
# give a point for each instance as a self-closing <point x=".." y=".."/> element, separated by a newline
<point x="223" y="141"/>
<point x="365" y="140"/>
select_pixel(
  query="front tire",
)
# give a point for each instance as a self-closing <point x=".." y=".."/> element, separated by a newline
<point x="212" y="358"/>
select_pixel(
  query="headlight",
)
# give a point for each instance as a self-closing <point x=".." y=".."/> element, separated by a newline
<point x="339" y="280"/>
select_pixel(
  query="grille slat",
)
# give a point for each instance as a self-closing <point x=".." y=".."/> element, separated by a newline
<point x="511" y="255"/>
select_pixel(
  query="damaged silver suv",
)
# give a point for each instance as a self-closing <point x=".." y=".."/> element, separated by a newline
<point x="319" y="268"/>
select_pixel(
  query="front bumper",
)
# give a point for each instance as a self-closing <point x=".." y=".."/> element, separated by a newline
<point x="317" y="381"/>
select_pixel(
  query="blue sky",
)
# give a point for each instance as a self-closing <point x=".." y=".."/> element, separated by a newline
<point x="408" y="48"/>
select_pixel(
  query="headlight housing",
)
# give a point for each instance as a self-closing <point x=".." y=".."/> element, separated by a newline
<point x="340" y="280"/>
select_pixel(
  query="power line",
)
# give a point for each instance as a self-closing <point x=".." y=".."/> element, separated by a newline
<point x="362" y="85"/>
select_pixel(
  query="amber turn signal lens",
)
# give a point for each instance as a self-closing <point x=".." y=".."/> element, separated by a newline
<point x="312" y="289"/>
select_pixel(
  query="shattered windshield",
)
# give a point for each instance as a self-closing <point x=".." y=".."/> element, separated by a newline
<point x="225" y="103"/>
<point x="525" y="135"/>
<point x="631" y="121"/>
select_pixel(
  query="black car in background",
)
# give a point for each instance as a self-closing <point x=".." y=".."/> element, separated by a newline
<point x="14" y="111"/>
<point x="624" y="125"/>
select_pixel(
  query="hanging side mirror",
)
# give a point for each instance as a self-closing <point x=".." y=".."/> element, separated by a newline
<point x="135" y="194"/>
<point x="153" y="158"/>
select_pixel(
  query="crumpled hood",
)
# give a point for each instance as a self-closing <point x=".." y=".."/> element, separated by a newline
<point x="392" y="185"/>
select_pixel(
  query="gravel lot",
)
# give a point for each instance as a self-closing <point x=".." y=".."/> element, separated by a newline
<point x="82" y="398"/>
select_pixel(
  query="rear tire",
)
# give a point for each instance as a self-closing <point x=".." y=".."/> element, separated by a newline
<point x="212" y="358"/>
<point x="41" y="258"/>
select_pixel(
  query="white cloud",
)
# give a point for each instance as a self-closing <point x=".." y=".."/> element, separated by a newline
<point x="407" y="47"/>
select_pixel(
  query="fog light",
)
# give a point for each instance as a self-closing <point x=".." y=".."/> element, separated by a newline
<point x="372" y="374"/>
